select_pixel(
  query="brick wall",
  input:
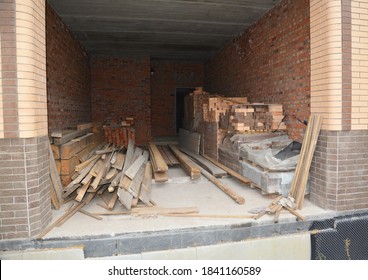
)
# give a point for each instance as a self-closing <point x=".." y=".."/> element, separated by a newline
<point x="68" y="76"/>
<point x="269" y="62"/>
<point x="169" y="75"/>
<point x="121" y="88"/>
<point x="339" y="170"/>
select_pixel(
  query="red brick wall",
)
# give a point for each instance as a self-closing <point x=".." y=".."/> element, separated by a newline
<point x="121" y="88"/>
<point x="169" y="75"/>
<point x="68" y="76"/>
<point x="269" y="62"/>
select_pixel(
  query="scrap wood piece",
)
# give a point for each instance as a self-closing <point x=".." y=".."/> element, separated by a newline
<point x="135" y="185"/>
<point x="56" y="186"/>
<point x="119" y="162"/>
<point x="81" y="176"/>
<point x="145" y="193"/>
<point x="237" y="198"/>
<point x="111" y="174"/>
<point x="300" y="179"/>
<point x="129" y="155"/>
<point x="85" y="163"/>
<point x="158" y="163"/>
<point x="236" y="175"/>
<point x="125" y="198"/>
<point x="134" y="168"/>
<point x="61" y="220"/>
<point x="191" y="168"/>
<point x="83" y="190"/>
<point x="148" y="211"/>
<point x="100" y="174"/>
<point x="113" y="200"/>
<point x="71" y="135"/>
<point x="160" y="177"/>
<point x="211" y="216"/>
<point x="90" y="214"/>
<point x="206" y="164"/>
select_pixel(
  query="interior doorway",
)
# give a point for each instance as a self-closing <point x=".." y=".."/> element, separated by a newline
<point x="180" y="94"/>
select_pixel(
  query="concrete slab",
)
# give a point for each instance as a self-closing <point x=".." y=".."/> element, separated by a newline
<point x="181" y="191"/>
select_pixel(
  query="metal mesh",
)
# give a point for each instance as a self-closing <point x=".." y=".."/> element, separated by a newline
<point x="344" y="238"/>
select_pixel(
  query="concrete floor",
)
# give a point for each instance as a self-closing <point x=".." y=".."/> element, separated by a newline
<point x="179" y="191"/>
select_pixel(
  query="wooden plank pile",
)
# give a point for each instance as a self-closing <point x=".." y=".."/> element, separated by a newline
<point x="193" y="109"/>
<point x="127" y="176"/>
<point x="159" y="165"/>
<point x="119" y="134"/>
<point x="218" y="106"/>
<point x="72" y="147"/>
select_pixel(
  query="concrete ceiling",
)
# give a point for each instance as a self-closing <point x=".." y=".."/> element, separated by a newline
<point x="162" y="29"/>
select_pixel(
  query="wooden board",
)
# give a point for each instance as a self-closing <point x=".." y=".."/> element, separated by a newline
<point x="146" y="211"/>
<point x="125" y="198"/>
<point x="206" y="164"/>
<point x="189" y="141"/>
<point x="145" y="194"/>
<point x="57" y="188"/>
<point x="119" y="162"/>
<point x="300" y="179"/>
<point x="134" y="168"/>
<point x="160" y="177"/>
<point x="169" y="158"/>
<point x="192" y="170"/>
<point x="236" y="175"/>
<point x="135" y="185"/>
<point x="71" y="135"/>
<point x="129" y="155"/>
<point x="158" y="163"/>
<point x="72" y="148"/>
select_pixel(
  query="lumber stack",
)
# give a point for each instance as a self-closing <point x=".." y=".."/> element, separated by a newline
<point x="72" y="148"/>
<point x="193" y="109"/>
<point x="126" y="176"/>
<point x="159" y="165"/>
<point x="256" y="117"/>
<point x="217" y="107"/>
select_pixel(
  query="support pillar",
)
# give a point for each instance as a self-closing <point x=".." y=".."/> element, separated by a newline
<point x="24" y="170"/>
<point x="339" y="92"/>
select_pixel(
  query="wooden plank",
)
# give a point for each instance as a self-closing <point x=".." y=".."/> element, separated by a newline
<point x="83" y="191"/>
<point x="236" y="175"/>
<point x="119" y="163"/>
<point x="170" y="156"/>
<point x="84" y="126"/>
<point x="113" y="200"/>
<point x="160" y="177"/>
<point x="71" y="135"/>
<point x="192" y="169"/>
<point x="82" y="165"/>
<point x="90" y="214"/>
<point x="54" y="199"/>
<point x="135" y="185"/>
<point x="72" y="148"/>
<point x="163" y="211"/>
<point x="237" y="198"/>
<point x="145" y="194"/>
<point x="211" y="216"/>
<point x="100" y="174"/>
<point x="300" y="179"/>
<point x="55" y="151"/>
<point x="157" y="161"/>
<point x="134" y="168"/>
<point x="55" y="179"/>
<point x="206" y="164"/>
<point x="125" y="198"/>
<point x="67" y="166"/>
<point x="164" y="156"/>
<point x="81" y="176"/>
<point x="111" y="174"/>
<point x="129" y="155"/>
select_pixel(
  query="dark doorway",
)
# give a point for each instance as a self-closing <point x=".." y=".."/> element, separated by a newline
<point x="180" y="93"/>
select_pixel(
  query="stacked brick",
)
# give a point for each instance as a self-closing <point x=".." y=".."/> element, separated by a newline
<point x="119" y="135"/>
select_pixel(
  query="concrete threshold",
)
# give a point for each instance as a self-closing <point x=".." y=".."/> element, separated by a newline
<point x="128" y="235"/>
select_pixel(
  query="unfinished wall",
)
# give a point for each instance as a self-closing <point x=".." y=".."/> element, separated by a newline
<point x="169" y="75"/>
<point x="68" y="76"/>
<point x="269" y="62"/>
<point x="121" y="88"/>
<point x="24" y="166"/>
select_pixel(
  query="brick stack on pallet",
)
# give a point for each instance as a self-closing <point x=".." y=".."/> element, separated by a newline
<point x="72" y="147"/>
<point x="119" y="134"/>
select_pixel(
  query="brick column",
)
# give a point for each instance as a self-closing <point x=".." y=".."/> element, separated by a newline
<point x="24" y="171"/>
<point x="339" y="92"/>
